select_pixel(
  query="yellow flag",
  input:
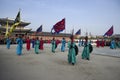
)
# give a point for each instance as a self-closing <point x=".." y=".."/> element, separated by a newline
<point x="16" y="23"/>
<point x="13" y="27"/>
<point x="6" y="34"/>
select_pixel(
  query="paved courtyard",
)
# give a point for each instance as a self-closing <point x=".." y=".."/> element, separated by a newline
<point x="104" y="64"/>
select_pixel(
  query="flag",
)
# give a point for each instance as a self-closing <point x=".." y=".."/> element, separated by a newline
<point x="6" y="34"/>
<point x="39" y="29"/>
<point x="78" y="32"/>
<point x="13" y="27"/>
<point x="59" y="26"/>
<point x="109" y="32"/>
<point x="17" y="19"/>
<point x="16" y="23"/>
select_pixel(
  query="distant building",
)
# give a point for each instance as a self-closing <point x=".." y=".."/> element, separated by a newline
<point x="116" y="36"/>
<point x="49" y="35"/>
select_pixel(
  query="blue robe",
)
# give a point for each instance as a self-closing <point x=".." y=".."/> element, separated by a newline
<point x="113" y="44"/>
<point x="33" y="43"/>
<point x="19" y="46"/>
<point x="63" y="45"/>
<point x="79" y="43"/>
<point x="71" y="53"/>
<point x="53" y="42"/>
<point x="86" y="53"/>
<point x="37" y="44"/>
<point x="118" y="44"/>
<point x="8" y="41"/>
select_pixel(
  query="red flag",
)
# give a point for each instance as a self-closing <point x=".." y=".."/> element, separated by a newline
<point x="59" y="26"/>
<point x="109" y="32"/>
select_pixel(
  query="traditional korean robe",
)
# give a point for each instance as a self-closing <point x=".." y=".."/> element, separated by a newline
<point x="41" y="44"/>
<point x="102" y="43"/>
<point x="97" y="43"/>
<point x="79" y="43"/>
<point x="86" y="52"/>
<point x="71" y="53"/>
<point x="19" y="41"/>
<point x="28" y="44"/>
<point x="53" y="42"/>
<point x="49" y="42"/>
<point x="8" y="41"/>
<point x="33" y="43"/>
<point x="118" y="44"/>
<point x="113" y="44"/>
<point x="37" y="44"/>
<point x="63" y="45"/>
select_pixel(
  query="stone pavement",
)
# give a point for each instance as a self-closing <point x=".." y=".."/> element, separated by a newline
<point x="54" y="66"/>
<point x="107" y="51"/>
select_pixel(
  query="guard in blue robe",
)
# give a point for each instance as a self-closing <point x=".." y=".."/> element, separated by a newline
<point x="19" y="41"/>
<point x="37" y="44"/>
<point x="118" y="44"/>
<point x="53" y="42"/>
<point x="79" y="42"/>
<point x="8" y="41"/>
<point x="71" y="52"/>
<point x="113" y="44"/>
<point x="33" y="43"/>
<point x="86" y="51"/>
<point x="63" y="45"/>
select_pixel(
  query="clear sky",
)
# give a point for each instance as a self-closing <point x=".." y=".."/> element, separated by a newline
<point x="95" y="16"/>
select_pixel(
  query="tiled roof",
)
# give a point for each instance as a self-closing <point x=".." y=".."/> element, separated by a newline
<point x="3" y="21"/>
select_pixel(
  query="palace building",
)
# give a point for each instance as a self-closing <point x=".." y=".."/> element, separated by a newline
<point x="20" y="29"/>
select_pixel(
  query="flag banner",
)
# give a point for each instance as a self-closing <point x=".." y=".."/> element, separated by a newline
<point x="17" y="19"/>
<point x="16" y="23"/>
<point x="6" y="34"/>
<point x="109" y="32"/>
<point x="13" y="27"/>
<point x="59" y="26"/>
<point x="78" y="32"/>
<point x="39" y="29"/>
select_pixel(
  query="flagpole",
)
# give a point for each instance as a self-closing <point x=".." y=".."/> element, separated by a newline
<point x="6" y="34"/>
<point x="65" y="29"/>
<point x="72" y="37"/>
<point x="20" y="26"/>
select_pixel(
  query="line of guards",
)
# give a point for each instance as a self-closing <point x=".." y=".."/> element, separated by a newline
<point x="114" y="43"/>
<point x="38" y="45"/>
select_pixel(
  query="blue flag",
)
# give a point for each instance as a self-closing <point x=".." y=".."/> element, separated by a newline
<point x="17" y="19"/>
<point x="109" y="32"/>
<point x="78" y="32"/>
<point x="39" y="29"/>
